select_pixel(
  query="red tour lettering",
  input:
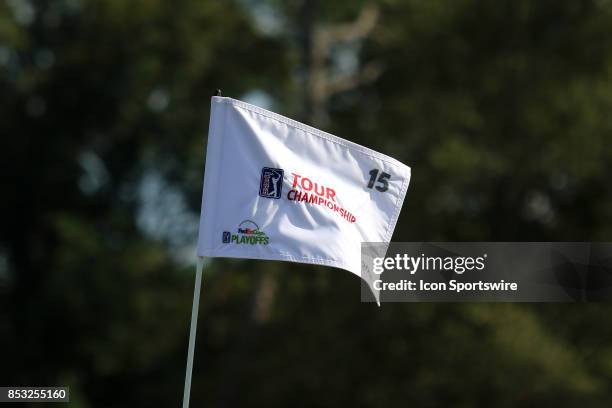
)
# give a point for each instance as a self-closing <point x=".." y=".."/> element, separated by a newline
<point x="307" y="185"/>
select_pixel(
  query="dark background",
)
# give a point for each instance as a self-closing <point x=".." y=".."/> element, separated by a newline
<point x="502" y="109"/>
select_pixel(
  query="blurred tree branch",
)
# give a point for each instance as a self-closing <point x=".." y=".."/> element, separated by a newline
<point x="322" y="39"/>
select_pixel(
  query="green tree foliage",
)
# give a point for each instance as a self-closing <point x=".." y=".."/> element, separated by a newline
<point x="501" y="109"/>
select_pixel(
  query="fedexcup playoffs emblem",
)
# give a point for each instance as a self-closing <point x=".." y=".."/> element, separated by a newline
<point x="248" y="233"/>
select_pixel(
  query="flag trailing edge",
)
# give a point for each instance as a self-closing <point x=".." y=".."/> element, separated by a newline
<point x="278" y="189"/>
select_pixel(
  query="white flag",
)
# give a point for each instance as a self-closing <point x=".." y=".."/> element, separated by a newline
<point x="277" y="189"/>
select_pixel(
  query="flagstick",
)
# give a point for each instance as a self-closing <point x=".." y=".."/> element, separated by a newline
<point x="192" y="331"/>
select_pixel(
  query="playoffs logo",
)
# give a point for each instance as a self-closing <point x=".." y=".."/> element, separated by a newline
<point x="248" y="233"/>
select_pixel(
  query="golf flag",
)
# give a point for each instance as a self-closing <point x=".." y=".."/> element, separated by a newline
<point x="277" y="189"/>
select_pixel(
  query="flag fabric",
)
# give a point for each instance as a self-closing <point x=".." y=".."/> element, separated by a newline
<point x="277" y="189"/>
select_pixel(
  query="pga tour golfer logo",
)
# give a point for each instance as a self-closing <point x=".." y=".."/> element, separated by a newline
<point x="248" y="233"/>
<point x="271" y="183"/>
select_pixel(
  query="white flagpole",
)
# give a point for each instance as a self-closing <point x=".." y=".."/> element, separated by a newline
<point x="192" y="331"/>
